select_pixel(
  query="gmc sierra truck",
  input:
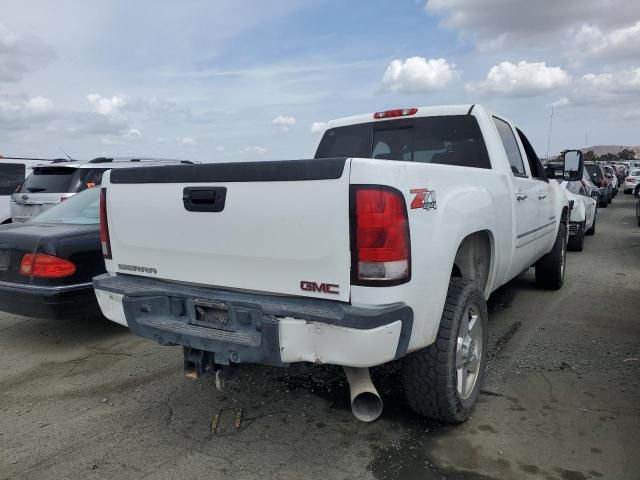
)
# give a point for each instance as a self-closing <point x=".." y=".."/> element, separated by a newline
<point x="383" y="247"/>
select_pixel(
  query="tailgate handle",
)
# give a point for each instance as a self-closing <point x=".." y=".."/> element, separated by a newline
<point x="204" y="199"/>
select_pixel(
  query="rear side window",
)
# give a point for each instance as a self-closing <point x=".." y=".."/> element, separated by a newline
<point x="511" y="147"/>
<point x="11" y="176"/>
<point x="594" y="172"/>
<point x="447" y="140"/>
<point x="81" y="209"/>
<point x="635" y="173"/>
<point x="62" y="179"/>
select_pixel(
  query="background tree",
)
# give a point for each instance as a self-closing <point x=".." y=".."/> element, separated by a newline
<point x="590" y="156"/>
<point x="627" y="154"/>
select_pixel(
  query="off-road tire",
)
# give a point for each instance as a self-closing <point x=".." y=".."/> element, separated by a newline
<point x="576" y="242"/>
<point x="592" y="230"/>
<point x="550" y="268"/>
<point x="603" y="203"/>
<point x="430" y="374"/>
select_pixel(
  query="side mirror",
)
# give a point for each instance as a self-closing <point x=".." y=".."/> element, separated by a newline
<point x="573" y="165"/>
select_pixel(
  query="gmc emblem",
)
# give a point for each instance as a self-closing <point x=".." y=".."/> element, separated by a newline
<point x="320" y="287"/>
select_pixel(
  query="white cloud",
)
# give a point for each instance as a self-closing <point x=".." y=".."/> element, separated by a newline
<point x="39" y="105"/>
<point x="503" y="23"/>
<point x="132" y="134"/>
<point x="318" y="127"/>
<point x="521" y="79"/>
<point x="106" y="105"/>
<point x="186" y="141"/>
<point x="622" y="42"/>
<point x="561" y="102"/>
<point x="254" y="150"/>
<point x="21" y="54"/>
<point x="621" y="87"/>
<point x="418" y="75"/>
<point x="219" y="148"/>
<point x="18" y="112"/>
<point x="284" y="121"/>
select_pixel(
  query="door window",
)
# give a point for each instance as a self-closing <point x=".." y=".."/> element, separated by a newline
<point x="537" y="170"/>
<point x="511" y="147"/>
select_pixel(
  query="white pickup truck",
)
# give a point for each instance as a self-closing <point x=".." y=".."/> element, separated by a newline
<point x="383" y="247"/>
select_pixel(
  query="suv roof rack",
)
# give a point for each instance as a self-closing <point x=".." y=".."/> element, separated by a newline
<point x="127" y="159"/>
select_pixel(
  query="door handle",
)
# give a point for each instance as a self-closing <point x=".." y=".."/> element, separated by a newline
<point x="521" y="196"/>
<point x="204" y="199"/>
<point x="541" y="196"/>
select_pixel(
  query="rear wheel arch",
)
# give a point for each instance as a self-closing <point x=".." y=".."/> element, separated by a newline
<point x="474" y="258"/>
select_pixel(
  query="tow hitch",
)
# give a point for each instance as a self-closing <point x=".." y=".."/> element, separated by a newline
<point x="198" y="363"/>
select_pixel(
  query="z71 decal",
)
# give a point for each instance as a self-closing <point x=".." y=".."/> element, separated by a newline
<point x="424" y="199"/>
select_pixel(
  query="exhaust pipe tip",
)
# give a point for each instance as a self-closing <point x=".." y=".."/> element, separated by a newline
<point x="366" y="403"/>
<point x="367" y="406"/>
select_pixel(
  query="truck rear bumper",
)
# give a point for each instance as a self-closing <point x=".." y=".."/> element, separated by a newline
<point x="256" y="328"/>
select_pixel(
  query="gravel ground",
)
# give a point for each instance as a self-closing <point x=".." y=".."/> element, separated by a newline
<point x="86" y="399"/>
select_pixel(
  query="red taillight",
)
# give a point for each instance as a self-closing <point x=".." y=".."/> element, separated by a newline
<point x="46" y="266"/>
<point x="603" y="183"/>
<point x="380" y="236"/>
<point x="400" y="112"/>
<point x="630" y="180"/>
<point x="104" y="226"/>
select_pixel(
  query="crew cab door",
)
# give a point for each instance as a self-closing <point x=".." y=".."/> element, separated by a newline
<point x="546" y="235"/>
<point x="525" y="200"/>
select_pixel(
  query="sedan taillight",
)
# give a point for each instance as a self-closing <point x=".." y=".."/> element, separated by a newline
<point x="45" y="266"/>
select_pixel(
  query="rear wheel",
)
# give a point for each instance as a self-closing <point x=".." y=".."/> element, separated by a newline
<point x="592" y="230"/>
<point x="550" y="268"/>
<point x="604" y="202"/>
<point x="443" y="380"/>
<point x="576" y="242"/>
<point x="638" y="212"/>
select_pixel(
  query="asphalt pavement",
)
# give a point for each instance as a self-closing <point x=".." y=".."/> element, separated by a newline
<point x="88" y="400"/>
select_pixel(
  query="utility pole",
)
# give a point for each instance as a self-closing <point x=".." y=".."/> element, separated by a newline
<point x="549" y="138"/>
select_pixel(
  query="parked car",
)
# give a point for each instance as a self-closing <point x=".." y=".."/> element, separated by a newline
<point x="584" y="206"/>
<point x="50" y="184"/>
<point x="345" y="259"/>
<point x="631" y="181"/>
<point x="13" y="171"/>
<point x="598" y="176"/>
<point x="46" y="265"/>
<point x="621" y="171"/>
<point x="637" y="194"/>
<point x="611" y="176"/>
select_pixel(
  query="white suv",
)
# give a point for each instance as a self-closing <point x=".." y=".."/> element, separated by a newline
<point x="50" y="184"/>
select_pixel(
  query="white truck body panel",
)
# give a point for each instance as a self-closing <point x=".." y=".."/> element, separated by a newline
<point x="289" y="232"/>
<point x="273" y="235"/>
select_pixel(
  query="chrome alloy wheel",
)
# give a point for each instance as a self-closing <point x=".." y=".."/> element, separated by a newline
<point x="468" y="351"/>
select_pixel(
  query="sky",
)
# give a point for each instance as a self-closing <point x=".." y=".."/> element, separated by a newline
<point x="245" y="80"/>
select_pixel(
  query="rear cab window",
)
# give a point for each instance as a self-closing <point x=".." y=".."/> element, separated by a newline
<point x="61" y="179"/>
<point x="11" y="176"/>
<point x="446" y="140"/>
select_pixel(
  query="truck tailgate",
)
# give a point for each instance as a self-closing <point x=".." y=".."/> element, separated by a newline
<point x="277" y="227"/>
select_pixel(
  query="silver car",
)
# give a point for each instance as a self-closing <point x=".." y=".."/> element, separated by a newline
<point x="50" y="184"/>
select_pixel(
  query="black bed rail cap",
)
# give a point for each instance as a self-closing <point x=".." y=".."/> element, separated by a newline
<point x="271" y="171"/>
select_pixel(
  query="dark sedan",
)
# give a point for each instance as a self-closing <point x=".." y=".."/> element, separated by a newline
<point x="46" y="265"/>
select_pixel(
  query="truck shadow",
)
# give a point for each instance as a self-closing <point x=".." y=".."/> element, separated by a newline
<point x="34" y="333"/>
